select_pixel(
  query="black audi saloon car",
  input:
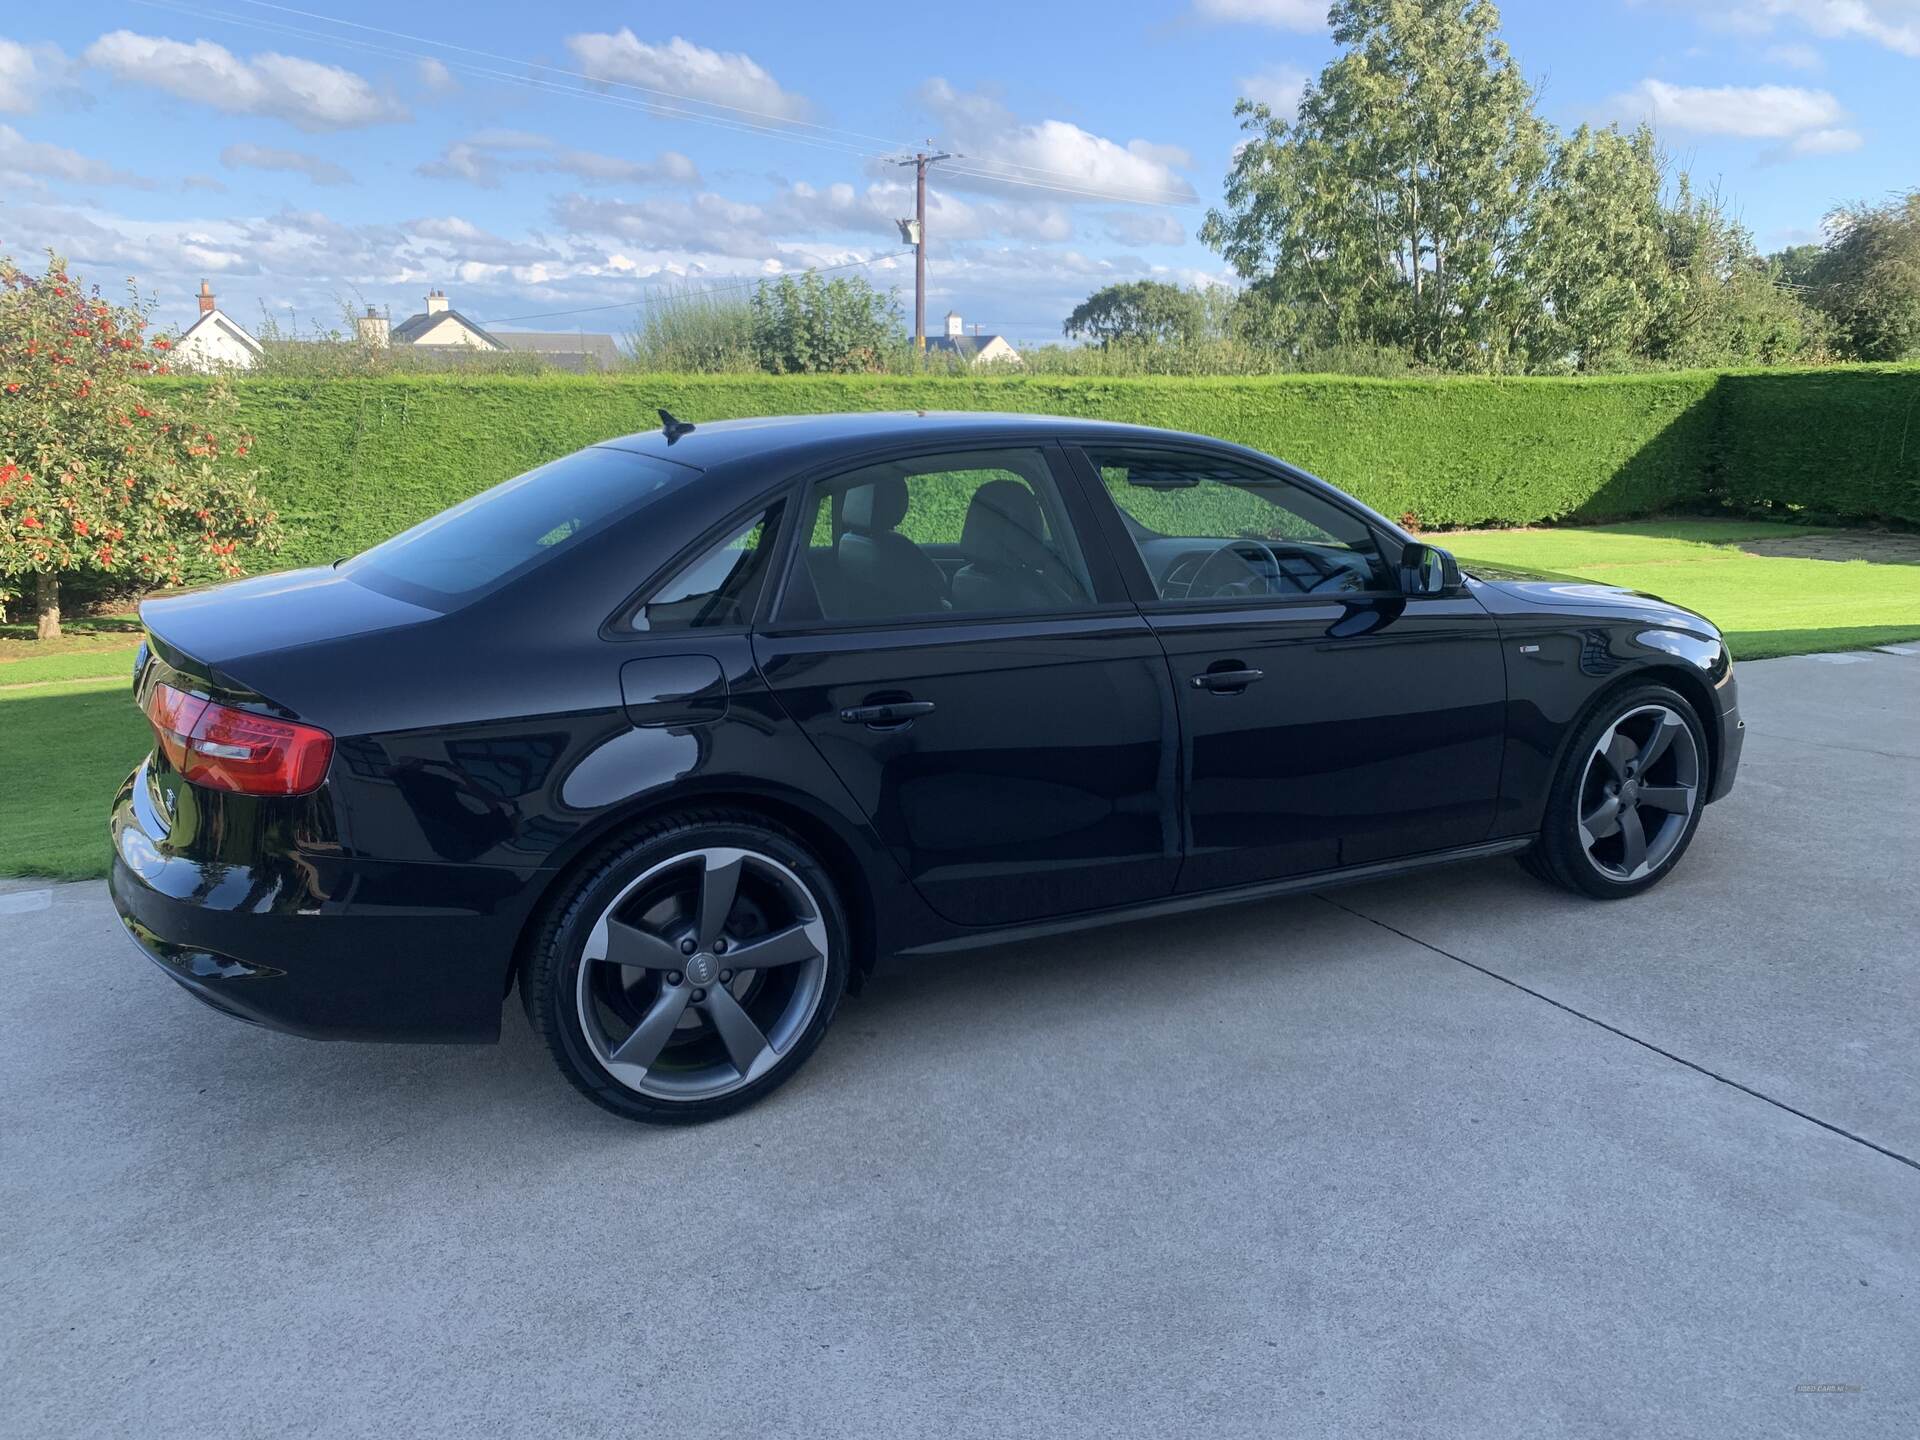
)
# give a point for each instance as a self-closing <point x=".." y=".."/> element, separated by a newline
<point x="681" y="734"/>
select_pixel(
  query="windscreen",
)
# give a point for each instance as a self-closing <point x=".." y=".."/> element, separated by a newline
<point x="479" y="545"/>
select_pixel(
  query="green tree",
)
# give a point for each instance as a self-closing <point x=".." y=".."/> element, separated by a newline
<point x="811" y="327"/>
<point x="1794" y="265"/>
<point x="96" y="474"/>
<point x="1140" y="312"/>
<point x="1595" y="252"/>
<point x="1868" y="278"/>
<point x="1392" y="211"/>
<point x="1722" y="307"/>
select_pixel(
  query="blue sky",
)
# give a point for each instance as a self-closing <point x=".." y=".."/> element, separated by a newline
<point x="536" y="159"/>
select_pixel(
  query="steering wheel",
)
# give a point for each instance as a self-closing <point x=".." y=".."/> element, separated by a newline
<point x="1249" y="572"/>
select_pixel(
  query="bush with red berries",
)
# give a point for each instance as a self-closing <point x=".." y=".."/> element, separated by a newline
<point x="98" y="474"/>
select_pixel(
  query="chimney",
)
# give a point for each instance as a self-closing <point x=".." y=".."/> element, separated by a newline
<point x="206" y="298"/>
<point x="374" y="330"/>
<point x="436" y="302"/>
<point x="954" y="328"/>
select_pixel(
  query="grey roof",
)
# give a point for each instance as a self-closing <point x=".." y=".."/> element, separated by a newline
<point x="968" y="346"/>
<point x="559" y="343"/>
<point x="414" y="326"/>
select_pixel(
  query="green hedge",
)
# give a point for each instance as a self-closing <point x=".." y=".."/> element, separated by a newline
<point x="1841" y="444"/>
<point x="349" y="461"/>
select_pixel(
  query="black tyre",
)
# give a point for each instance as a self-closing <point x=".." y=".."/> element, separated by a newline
<point x="691" y="970"/>
<point x="1628" y="797"/>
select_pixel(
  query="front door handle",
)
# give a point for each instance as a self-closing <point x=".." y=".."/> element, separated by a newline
<point x="898" y="712"/>
<point x="1226" y="682"/>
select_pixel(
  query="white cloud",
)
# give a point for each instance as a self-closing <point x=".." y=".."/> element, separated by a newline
<point x="1761" y="112"/>
<point x="303" y="92"/>
<point x="1008" y="155"/>
<point x="435" y="78"/>
<point x="1133" y="227"/>
<point x="21" y="156"/>
<point x="265" y="157"/>
<point x="1306" y="16"/>
<point x="26" y="73"/>
<point x="681" y="68"/>
<point x="1837" y="141"/>
<point x="1796" y="57"/>
<point x="1892" y="23"/>
<point x="483" y="158"/>
<point x="1278" y="87"/>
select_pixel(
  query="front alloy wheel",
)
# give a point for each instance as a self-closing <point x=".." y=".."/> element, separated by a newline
<point x="1627" y="800"/>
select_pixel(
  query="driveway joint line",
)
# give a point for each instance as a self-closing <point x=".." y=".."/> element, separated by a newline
<point x="1845" y="1134"/>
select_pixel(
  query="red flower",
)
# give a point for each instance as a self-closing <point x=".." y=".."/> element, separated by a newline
<point x="162" y="345"/>
<point x="14" y="388"/>
<point x="32" y="522"/>
<point x="79" y="527"/>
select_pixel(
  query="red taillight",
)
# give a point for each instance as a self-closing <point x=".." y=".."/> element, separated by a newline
<point x="227" y="749"/>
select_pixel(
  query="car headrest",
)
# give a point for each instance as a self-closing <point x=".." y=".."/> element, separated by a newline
<point x="877" y="505"/>
<point x="1004" y="525"/>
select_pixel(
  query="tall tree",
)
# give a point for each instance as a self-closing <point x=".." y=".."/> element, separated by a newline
<point x="1722" y="307"/>
<point x="1596" y="255"/>
<point x="1393" y="208"/>
<point x="1141" y="312"/>
<point x="1868" y="278"/>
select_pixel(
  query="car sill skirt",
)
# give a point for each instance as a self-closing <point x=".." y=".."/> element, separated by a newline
<point x="1207" y="900"/>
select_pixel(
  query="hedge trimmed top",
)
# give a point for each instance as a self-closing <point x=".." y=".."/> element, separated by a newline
<point x="350" y="461"/>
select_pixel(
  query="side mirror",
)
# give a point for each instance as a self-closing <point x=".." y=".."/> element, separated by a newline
<point x="1428" y="570"/>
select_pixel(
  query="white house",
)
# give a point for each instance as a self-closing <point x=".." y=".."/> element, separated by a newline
<point x="976" y="350"/>
<point x="215" y="341"/>
<point x="442" y="326"/>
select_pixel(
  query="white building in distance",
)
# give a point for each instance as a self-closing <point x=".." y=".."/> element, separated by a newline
<point x="215" y="341"/>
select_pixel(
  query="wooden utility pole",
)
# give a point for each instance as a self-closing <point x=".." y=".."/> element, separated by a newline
<point x="917" y="236"/>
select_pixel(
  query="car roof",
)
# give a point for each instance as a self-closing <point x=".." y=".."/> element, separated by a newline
<point x="796" y="438"/>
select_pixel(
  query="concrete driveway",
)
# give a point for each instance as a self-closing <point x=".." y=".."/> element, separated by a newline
<point x="1451" y="1156"/>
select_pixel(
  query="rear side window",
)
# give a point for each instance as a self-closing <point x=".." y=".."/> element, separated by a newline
<point x="500" y="534"/>
<point x="966" y="533"/>
<point x="718" y="589"/>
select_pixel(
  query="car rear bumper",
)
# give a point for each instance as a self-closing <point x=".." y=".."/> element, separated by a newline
<point x="319" y="945"/>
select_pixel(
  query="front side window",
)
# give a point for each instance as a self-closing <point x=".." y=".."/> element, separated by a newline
<point x="972" y="533"/>
<point x="719" y="588"/>
<point x="1211" y="528"/>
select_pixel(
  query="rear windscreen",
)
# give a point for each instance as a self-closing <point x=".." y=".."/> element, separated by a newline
<point x="481" y="544"/>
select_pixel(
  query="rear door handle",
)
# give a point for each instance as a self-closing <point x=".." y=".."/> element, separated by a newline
<point x="898" y="712"/>
<point x="1226" y="682"/>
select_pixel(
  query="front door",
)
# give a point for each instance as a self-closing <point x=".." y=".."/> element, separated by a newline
<point x="1327" y="719"/>
<point x="992" y="700"/>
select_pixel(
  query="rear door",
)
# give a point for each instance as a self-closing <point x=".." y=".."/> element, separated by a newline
<point x="1328" y="719"/>
<point x="975" y="674"/>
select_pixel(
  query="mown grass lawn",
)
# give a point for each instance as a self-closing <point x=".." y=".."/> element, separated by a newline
<point x="64" y="747"/>
<point x="1768" y="604"/>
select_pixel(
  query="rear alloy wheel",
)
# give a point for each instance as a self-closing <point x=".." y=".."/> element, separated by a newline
<point x="1628" y="797"/>
<point x="692" y="973"/>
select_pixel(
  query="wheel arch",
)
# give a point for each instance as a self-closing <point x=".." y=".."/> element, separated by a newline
<point x="1683" y="680"/>
<point x="838" y="852"/>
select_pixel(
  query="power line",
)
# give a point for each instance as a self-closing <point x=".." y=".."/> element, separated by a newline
<point x="562" y="70"/>
<point x="750" y="121"/>
<point x="696" y="294"/>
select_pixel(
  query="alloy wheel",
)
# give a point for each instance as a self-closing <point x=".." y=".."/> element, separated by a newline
<point x="702" y="973"/>
<point x="1638" y="793"/>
